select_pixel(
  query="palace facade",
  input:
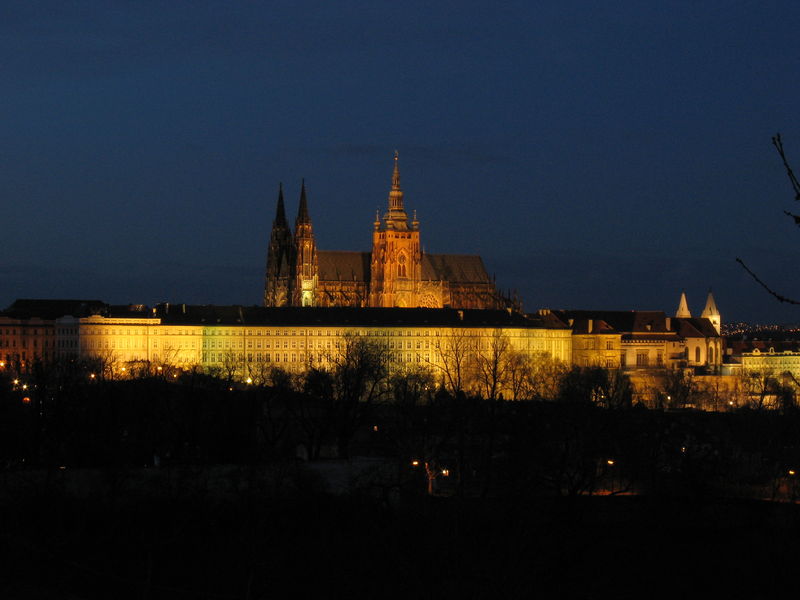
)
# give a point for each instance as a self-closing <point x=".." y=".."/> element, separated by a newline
<point x="646" y="339"/>
<point x="246" y="343"/>
<point x="395" y="273"/>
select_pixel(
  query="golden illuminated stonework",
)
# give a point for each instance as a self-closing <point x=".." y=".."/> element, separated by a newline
<point x="396" y="273"/>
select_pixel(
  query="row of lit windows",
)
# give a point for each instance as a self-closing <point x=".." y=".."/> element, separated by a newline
<point x="591" y="344"/>
<point x="226" y="357"/>
<point x="24" y="343"/>
<point x="25" y="331"/>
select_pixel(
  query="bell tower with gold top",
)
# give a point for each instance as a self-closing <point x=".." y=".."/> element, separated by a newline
<point x="396" y="262"/>
<point x="306" y="264"/>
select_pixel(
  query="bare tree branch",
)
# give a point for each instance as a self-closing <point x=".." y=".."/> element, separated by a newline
<point x="794" y="216"/>
<point x="778" y="143"/>
<point x="772" y="292"/>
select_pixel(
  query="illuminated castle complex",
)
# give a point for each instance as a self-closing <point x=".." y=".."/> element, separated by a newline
<point x="396" y="273"/>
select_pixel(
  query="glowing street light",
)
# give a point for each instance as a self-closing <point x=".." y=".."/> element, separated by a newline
<point x="610" y="462"/>
<point x="414" y="463"/>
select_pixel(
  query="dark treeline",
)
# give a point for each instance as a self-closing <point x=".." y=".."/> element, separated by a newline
<point x="586" y="439"/>
<point x="191" y="486"/>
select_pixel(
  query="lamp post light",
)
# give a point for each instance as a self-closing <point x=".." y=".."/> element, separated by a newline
<point x="610" y="462"/>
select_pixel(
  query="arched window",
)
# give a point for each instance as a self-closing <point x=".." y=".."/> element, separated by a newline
<point x="697" y="354"/>
<point x="711" y="354"/>
<point x="401" y="266"/>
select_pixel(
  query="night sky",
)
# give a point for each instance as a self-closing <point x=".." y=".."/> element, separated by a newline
<point x="596" y="155"/>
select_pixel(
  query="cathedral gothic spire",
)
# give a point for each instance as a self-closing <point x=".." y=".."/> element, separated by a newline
<point x="396" y="194"/>
<point x="396" y="218"/>
<point x="279" y="258"/>
<point x="302" y="212"/>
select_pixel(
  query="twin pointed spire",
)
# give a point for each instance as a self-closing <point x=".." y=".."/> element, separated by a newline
<point x="710" y="312"/>
<point x="303" y="217"/>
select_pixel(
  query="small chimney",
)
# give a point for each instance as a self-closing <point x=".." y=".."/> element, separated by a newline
<point x="589" y="325"/>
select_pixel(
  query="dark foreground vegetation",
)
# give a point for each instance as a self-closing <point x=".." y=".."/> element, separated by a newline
<point x="194" y="487"/>
<point x="313" y="545"/>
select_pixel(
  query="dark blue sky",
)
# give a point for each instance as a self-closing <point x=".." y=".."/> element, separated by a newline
<point x="597" y="155"/>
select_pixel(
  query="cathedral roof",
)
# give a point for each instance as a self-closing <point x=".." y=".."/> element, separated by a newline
<point x="336" y="265"/>
<point x="455" y="268"/>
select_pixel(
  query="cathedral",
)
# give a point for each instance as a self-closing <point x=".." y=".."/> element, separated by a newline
<point x="396" y="273"/>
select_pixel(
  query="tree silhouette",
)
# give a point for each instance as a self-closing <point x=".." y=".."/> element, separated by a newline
<point x="778" y="143"/>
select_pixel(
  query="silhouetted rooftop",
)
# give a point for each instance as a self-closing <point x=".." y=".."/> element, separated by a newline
<point x="349" y="317"/>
